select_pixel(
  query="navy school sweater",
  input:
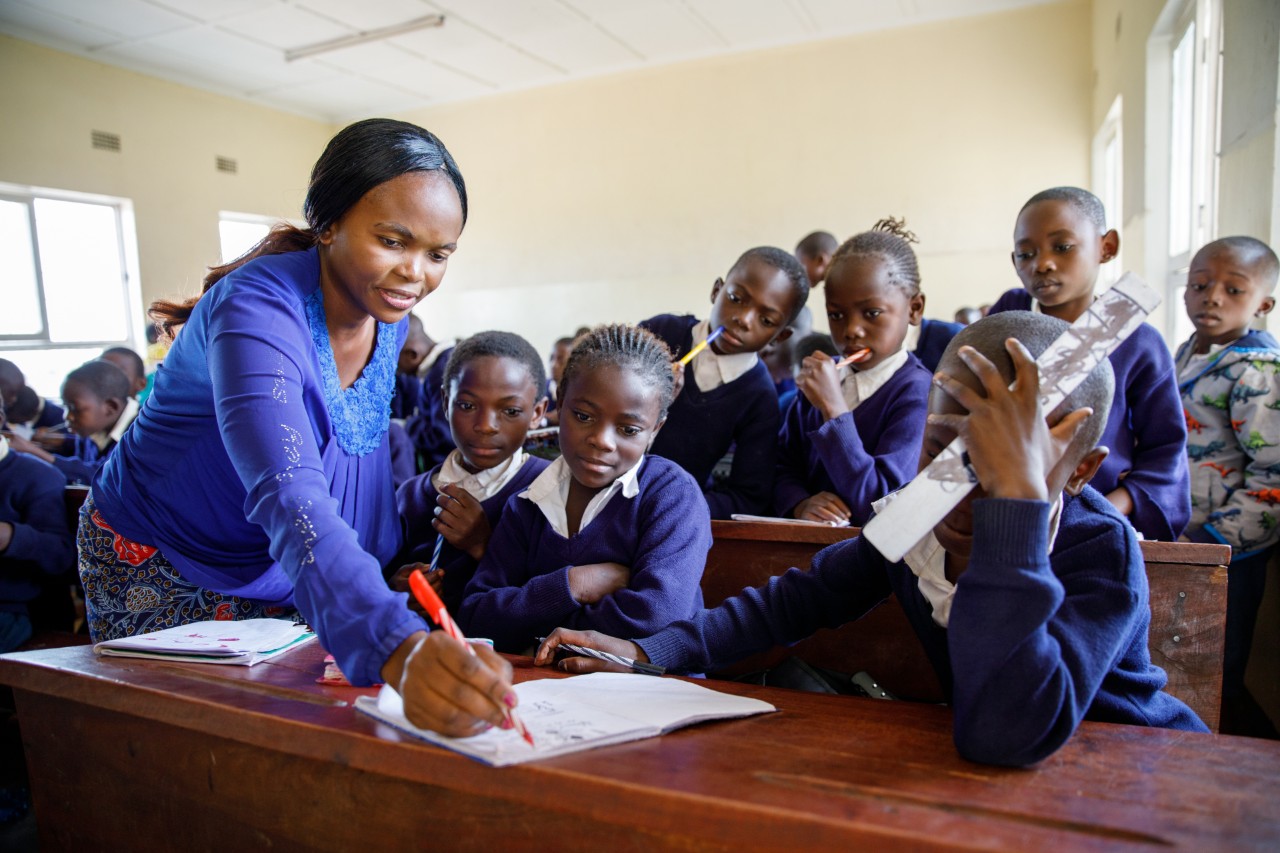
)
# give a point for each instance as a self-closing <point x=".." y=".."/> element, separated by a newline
<point x="42" y="546"/>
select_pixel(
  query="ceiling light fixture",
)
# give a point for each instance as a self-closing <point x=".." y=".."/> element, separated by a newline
<point x="364" y="37"/>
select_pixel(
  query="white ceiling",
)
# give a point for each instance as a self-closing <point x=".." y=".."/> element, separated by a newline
<point x="237" y="47"/>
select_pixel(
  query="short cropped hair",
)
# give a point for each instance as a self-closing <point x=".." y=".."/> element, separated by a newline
<point x="1082" y="200"/>
<point x="890" y="240"/>
<point x="788" y="265"/>
<point x="630" y="347"/>
<point x="1036" y="332"/>
<point x="1253" y="252"/>
<point x="138" y="367"/>
<point x="497" y="345"/>
<point x="103" y="379"/>
<point x="816" y="243"/>
<point x="816" y="342"/>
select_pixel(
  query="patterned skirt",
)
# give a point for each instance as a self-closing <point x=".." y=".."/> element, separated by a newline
<point x="130" y="588"/>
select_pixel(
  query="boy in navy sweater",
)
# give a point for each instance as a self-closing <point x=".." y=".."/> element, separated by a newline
<point x="1030" y="597"/>
<point x="728" y="398"/>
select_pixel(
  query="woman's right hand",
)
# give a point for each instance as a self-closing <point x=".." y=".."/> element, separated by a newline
<point x="546" y="654"/>
<point x="446" y="688"/>
<point x="591" y="582"/>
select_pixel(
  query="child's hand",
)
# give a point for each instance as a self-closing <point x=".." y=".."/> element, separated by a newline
<point x="461" y="519"/>
<point x="819" y="381"/>
<point x="591" y="582"/>
<point x="824" y="506"/>
<point x="29" y="447"/>
<point x="677" y="372"/>
<point x="1012" y="449"/>
<point x="49" y="438"/>
<point x="448" y="689"/>
<point x="546" y="654"/>
<point x="400" y="583"/>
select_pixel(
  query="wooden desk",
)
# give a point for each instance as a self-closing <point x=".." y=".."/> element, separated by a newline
<point x="127" y="754"/>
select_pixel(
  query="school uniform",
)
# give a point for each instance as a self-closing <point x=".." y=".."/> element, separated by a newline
<point x="1045" y="628"/>
<point x="90" y="452"/>
<point x="727" y="402"/>
<point x="929" y="340"/>
<point x="429" y="426"/>
<point x="1146" y="431"/>
<point x="41" y="546"/>
<point x="652" y="520"/>
<point x="1230" y="396"/>
<point x="406" y="400"/>
<point x="863" y="454"/>
<point x="416" y="501"/>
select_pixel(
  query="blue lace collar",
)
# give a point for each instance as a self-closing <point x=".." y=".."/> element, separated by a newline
<point x="361" y="413"/>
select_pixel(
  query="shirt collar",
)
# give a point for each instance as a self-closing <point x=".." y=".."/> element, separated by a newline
<point x="549" y="491"/>
<point x="858" y="385"/>
<point x="4" y="447"/>
<point x="711" y="370"/>
<point x="481" y="485"/>
<point x="912" y="340"/>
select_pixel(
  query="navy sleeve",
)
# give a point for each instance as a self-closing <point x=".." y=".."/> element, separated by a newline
<point x="40" y="535"/>
<point x="750" y="484"/>
<point x="790" y="482"/>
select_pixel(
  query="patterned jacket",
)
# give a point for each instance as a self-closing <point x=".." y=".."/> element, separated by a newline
<point x="1231" y="399"/>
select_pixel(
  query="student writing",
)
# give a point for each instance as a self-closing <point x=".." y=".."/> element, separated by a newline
<point x="853" y="435"/>
<point x="1060" y="241"/>
<point x="606" y="537"/>
<point x="728" y="399"/>
<point x="1030" y="597"/>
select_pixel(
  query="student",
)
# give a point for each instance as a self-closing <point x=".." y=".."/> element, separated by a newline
<point x="131" y="363"/>
<point x="606" y="537"/>
<point x="967" y="316"/>
<point x="727" y="398"/>
<point x="258" y="479"/>
<point x="428" y="426"/>
<point x="1030" y="597"/>
<point x="853" y="434"/>
<point x="35" y="544"/>
<point x="493" y="383"/>
<point x="780" y="357"/>
<point x="1060" y="241"/>
<point x="1229" y="377"/>
<point x="559" y="358"/>
<point x="407" y="399"/>
<point x="814" y="252"/>
<point x="803" y="348"/>
<point x="29" y="414"/>
<point x="100" y="407"/>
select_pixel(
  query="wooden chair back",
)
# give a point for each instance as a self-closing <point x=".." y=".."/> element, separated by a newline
<point x="1188" y="598"/>
<point x="73" y="498"/>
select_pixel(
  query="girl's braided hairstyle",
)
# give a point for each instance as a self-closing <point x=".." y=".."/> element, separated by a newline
<point x="630" y="347"/>
<point x="890" y="240"/>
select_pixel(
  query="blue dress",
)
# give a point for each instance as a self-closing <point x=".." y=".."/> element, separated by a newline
<point x="257" y="475"/>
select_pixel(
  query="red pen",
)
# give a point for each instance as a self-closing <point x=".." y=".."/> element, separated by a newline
<point x="435" y="607"/>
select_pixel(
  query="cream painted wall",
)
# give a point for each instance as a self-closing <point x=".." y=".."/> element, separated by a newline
<point x="622" y="197"/>
<point x="170" y="136"/>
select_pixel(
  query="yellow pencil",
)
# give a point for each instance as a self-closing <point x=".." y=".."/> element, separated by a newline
<point x="688" y="357"/>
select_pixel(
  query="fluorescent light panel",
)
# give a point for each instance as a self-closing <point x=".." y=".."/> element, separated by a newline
<point x="364" y="37"/>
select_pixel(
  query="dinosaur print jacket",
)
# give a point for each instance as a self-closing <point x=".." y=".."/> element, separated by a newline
<point x="1231" y="399"/>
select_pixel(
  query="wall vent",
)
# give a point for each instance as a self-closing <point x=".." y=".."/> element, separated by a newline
<point x="227" y="164"/>
<point x="104" y="141"/>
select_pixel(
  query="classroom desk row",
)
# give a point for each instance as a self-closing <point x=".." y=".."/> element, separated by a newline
<point x="127" y="754"/>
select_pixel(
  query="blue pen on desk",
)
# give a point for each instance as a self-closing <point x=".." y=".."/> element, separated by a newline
<point x="587" y="652"/>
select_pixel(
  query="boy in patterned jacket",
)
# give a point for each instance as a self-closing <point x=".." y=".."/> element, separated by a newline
<point x="1229" y="377"/>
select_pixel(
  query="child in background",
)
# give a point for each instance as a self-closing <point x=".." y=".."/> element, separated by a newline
<point x="131" y="363"/>
<point x="1060" y="241"/>
<point x="814" y="252"/>
<point x="1229" y="376"/>
<point x="781" y="359"/>
<point x="559" y="358"/>
<point x="429" y="427"/>
<point x="29" y="414"/>
<point x="853" y="433"/>
<point x="606" y="537"/>
<point x="100" y="407"/>
<point x="1030" y="597"/>
<point x="407" y="399"/>
<point x="727" y="398"/>
<point x="35" y="544"/>
<point x="802" y="349"/>
<point x="494" y="384"/>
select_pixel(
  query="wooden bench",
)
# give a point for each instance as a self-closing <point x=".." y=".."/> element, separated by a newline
<point x="1188" y="598"/>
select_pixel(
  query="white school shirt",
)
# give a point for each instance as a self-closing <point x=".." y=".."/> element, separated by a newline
<point x="550" y="492"/>
<point x="106" y="437"/>
<point x="711" y="370"/>
<point x="912" y="340"/>
<point x="858" y="385"/>
<point x="928" y="562"/>
<point x="481" y="485"/>
<point x="4" y="447"/>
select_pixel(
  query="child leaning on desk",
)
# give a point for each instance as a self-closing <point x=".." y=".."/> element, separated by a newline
<point x="1030" y="597"/>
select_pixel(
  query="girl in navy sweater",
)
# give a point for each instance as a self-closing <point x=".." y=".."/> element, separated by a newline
<point x="606" y="537"/>
<point x="852" y="435"/>
<point x="493" y="396"/>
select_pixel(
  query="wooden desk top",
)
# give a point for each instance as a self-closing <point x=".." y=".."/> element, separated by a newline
<point x="826" y="770"/>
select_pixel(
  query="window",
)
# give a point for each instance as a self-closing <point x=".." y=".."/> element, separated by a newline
<point x="69" y="292"/>
<point x="240" y="232"/>
<point x="1108" y="182"/>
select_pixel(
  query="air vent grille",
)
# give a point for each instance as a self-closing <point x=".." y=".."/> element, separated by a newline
<point x="228" y="165"/>
<point x="104" y="141"/>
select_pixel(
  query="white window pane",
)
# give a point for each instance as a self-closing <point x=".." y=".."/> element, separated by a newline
<point x="83" y="273"/>
<point x="44" y="369"/>
<point x="1181" y="128"/>
<point x="21" y="314"/>
<point x="239" y="237"/>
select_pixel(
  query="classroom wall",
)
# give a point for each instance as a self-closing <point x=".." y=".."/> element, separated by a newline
<point x="51" y="101"/>
<point x="621" y="197"/>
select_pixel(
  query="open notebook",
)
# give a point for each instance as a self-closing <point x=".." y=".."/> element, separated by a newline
<point x="244" y="642"/>
<point x="570" y="714"/>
